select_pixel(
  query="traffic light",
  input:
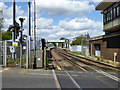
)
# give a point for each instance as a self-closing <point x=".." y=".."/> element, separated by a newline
<point x="14" y="29"/>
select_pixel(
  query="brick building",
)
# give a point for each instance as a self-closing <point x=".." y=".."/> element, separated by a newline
<point x="108" y="46"/>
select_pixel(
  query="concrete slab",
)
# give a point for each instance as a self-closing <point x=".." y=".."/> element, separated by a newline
<point x="22" y="78"/>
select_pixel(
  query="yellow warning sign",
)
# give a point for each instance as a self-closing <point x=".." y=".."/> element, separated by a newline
<point x="14" y="44"/>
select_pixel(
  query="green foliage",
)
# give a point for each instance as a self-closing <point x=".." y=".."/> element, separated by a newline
<point x="6" y="35"/>
<point x="17" y="61"/>
<point x="98" y="58"/>
<point x="62" y="38"/>
<point x="1" y="25"/>
<point x="79" y="41"/>
<point x="10" y="61"/>
<point x="78" y="53"/>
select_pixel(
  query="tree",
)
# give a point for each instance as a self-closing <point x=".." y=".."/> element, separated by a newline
<point x="1" y="24"/>
<point x="80" y="41"/>
<point x="6" y="35"/>
<point x="62" y="38"/>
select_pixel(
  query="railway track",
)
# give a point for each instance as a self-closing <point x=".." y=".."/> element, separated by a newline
<point x="68" y="74"/>
<point x="87" y="62"/>
<point x="89" y="66"/>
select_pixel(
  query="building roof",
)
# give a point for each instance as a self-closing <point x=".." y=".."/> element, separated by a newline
<point x="96" y="38"/>
<point x="105" y="4"/>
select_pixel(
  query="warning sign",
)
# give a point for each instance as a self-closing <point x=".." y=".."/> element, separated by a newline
<point x="15" y="44"/>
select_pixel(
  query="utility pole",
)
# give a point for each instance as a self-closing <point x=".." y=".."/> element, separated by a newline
<point x="29" y="30"/>
<point x="21" y="47"/>
<point x="34" y="65"/>
<point x="13" y="33"/>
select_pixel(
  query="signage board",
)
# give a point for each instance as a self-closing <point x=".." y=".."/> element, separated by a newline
<point x="15" y="44"/>
<point x="24" y="47"/>
<point x="12" y="49"/>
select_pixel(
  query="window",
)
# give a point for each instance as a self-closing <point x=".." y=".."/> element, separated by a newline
<point x="111" y="14"/>
<point x="104" y="18"/>
<point x="107" y="16"/>
<point x="114" y="13"/>
<point x="118" y="11"/>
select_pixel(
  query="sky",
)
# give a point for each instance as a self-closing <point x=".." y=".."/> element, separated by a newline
<point x="57" y="18"/>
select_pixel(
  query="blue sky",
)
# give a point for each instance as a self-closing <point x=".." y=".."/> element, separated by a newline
<point x="59" y="18"/>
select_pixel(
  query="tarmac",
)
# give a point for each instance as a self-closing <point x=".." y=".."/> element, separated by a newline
<point x="46" y="79"/>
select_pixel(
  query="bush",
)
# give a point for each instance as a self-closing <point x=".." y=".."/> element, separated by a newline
<point x="17" y="61"/>
<point x="10" y="61"/>
<point x="98" y="58"/>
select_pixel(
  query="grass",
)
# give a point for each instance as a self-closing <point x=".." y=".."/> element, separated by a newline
<point x="98" y="59"/>
<point x="78" y="53"/>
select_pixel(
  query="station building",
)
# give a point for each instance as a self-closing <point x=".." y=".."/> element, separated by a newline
<point x="108" y="46"/>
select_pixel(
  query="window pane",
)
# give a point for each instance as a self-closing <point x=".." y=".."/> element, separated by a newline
<point x="111" y="14"/>
<point x="104" y="18"/>
<point x="107" y="16"/>
<point x="114" y="13"/>
<point x="118" y="11"/>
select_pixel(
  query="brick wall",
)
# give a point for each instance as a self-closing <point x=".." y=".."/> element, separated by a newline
<point x="106" y="52"/>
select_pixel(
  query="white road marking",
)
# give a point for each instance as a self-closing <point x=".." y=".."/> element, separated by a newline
<point x="40" y="74"/>
<point x="65" y="75"/>
<point x="107" y="75"/>
<point x="73" y="80"/>
<point x="56" y="80"/>
<point x="4" y="70"/>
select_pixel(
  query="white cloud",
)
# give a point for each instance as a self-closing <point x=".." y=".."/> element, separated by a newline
<point x="80" y="24"/>
<point x="68" y="27"/>
<point x="63" y="7"/>
<point x="44" y="22"/>
<point x="8" y="14"/>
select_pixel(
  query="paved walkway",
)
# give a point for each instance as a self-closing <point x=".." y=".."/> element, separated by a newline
<point x="22" y="78"/>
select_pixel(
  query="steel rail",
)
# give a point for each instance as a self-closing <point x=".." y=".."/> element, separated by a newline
<point x="86" y="61"/>
<point x="71" y="61"/>
<point x="76" y="84"/>
<point x="102" y="72"/>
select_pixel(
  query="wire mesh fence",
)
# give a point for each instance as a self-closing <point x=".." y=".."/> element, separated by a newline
<point x="10" y="53"/>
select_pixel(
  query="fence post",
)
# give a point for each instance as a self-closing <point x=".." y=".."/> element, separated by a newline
<point x="45" y="62"/>
<point x="5" y="53"/>
<point x="21" y="55"/>
<point x="27" y="56"/>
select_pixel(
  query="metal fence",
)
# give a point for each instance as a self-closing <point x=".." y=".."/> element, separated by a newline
<point x="2" y="52"/>
<point x="79" y="48"/>
<point x="8" y="53"/>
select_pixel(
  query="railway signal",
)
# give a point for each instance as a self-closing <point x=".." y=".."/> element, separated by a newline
<point x="15" y="29"/>
<point x="21" y="46"/>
